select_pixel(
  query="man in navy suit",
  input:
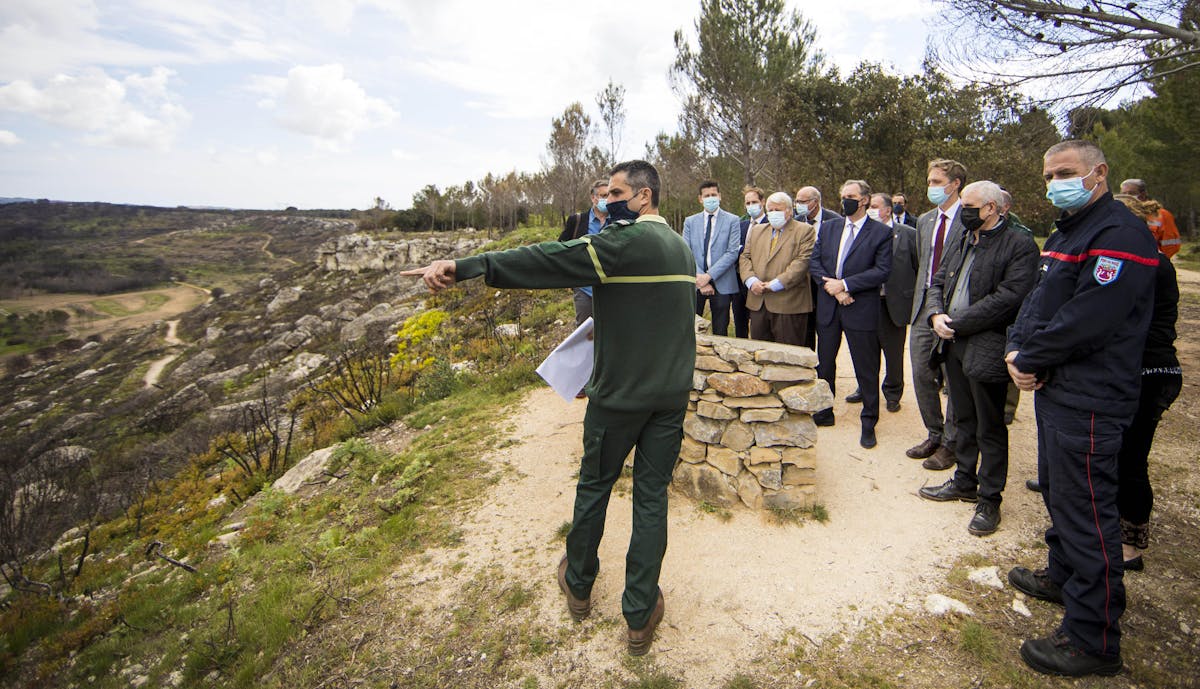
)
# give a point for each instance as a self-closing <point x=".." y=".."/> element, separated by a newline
<point x="756" y="214"/>
<point x="900" y="212"/>
<point x="809" y="209"/>
<point x="851" y="260"/>
<point x="714" y="238"/>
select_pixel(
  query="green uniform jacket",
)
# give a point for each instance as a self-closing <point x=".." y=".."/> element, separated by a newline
<point x="644" y="304"/>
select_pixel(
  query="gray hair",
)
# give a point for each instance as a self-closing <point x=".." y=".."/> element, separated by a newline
<point x="1139" y="184"/>
<point x="780" y="197"/>
<point x="864" y="189"/>
<point x="988" y="191"/>
<point x="1008" y="200"/>
<point x="1088" y="151"/>
<point x="813" y="191"/>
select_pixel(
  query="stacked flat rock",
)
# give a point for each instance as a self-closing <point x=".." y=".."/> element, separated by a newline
<point x="749" y="434"/>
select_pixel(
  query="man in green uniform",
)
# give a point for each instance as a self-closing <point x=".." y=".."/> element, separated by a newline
<point x="643" y="278"/>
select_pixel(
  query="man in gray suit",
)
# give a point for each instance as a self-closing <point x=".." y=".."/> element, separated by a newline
<point x="946" y="179"/>
<point x="715" y="238"/>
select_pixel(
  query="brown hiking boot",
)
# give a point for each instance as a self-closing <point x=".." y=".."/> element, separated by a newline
<point x="639" y="639"/>
<point x="942" y="458"/>
<point x="578" y="608"/>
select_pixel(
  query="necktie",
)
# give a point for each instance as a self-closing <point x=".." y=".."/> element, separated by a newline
<point x="938" y="240"/>
<point x="846" y="248"/>
<point x="707" y="237"/>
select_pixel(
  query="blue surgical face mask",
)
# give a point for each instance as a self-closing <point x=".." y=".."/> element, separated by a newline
<point x="754" y="210"/>
<point x="937" y="195"/>
<point x="1069" y="194"/>
<point x="602" y="205"/>
<point x="802" y="212"/>
<point x="712" y="203"/>
<point x="777" y="218"/>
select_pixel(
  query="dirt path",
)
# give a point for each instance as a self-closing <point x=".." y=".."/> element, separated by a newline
<point x="156" y="367"/>
<point x="733" y="588"/>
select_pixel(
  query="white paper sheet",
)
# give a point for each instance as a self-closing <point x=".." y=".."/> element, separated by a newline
<point x="569" y="366"/>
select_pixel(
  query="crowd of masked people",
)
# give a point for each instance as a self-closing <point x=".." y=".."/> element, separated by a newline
<point x="1087" y="323"/>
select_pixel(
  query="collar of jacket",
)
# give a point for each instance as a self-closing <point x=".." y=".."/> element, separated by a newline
<point x="995" y="231"/>
<point x="1066" y="223"/>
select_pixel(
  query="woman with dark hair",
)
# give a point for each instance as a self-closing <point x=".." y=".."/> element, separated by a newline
<point x="1162" y="379"/>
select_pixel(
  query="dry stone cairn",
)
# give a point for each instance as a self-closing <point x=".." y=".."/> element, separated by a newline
<point x="749" y="436"/>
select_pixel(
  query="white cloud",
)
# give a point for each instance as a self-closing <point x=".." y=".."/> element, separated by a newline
<point x="323" y="103"/>
<point x="41" y="38"/>
<point x="137" y="111"/>
<point x="7" y="138"/>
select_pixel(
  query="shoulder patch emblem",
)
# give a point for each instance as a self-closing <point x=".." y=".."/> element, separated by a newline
<point x="1107" y="269"/>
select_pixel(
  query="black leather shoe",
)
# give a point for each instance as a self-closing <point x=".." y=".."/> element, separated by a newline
<point x="1033" y="485"/>
<point x="1136" y="564"/>
<point x="893" y="406"/>
<point x="986" y="519"/>
<point x="1036" y="584"/>
<point x="927" y="447"/>
<point x="947" y="492"/>
<point x="1056" y="655"/>
<point x="943" y="458"/>
<point x="854" y="397"/>
<point x="824" y="417"/>
<point x="867" y="439"/>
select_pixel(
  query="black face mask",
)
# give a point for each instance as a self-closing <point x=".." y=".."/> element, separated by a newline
<point x="849" y="207"/>
<point x="897" y="209"/>
<point x="970" y="218"/>
<point x="619" y="210"/>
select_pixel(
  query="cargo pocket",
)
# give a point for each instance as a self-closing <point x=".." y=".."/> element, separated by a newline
<point x="1090" y="457"/>
<point x="593" y="452"/>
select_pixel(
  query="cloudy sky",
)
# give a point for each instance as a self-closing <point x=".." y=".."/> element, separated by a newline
<point x="330" y="103"/>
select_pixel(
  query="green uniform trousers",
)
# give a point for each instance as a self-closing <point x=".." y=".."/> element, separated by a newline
<point x="608" y="436"/>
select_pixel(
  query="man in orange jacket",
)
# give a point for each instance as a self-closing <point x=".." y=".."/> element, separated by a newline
<point x="1163" y="228"/>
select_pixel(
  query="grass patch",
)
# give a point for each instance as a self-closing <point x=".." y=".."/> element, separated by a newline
<point x="647" y="676"/>
<point x="978" y="641"/>
<point x="115" y="309"/>
<point x="717" y="511"/>
<point x="783" y="516"/>
<point x="740" y="681"/>
<point x="560" y="534"/>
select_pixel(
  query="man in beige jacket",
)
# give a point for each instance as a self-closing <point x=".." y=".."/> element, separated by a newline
<point x="774" y="266"/>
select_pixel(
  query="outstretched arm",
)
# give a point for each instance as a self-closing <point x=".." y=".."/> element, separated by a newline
<point x="437" y="276"/>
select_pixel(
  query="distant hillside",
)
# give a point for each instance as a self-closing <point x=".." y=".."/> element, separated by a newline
<point x="103" y="248"/>
<point x="95" y="404"/>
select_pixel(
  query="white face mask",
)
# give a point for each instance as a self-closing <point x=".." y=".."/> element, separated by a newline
<point x="873" y="213"/>
<point x="777" y="219"/>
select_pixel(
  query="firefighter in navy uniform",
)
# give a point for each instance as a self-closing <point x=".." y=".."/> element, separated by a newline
<point x="1078" y="342"/>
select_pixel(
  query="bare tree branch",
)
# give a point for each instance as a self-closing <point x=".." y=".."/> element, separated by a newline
<point x="1067" y="54"/>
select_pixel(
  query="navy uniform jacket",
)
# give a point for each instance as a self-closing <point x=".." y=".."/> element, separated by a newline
<point x="866" y="267"/>
<point x="1083" y="327"/>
